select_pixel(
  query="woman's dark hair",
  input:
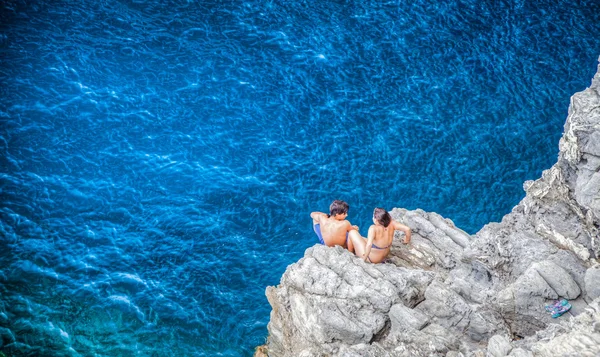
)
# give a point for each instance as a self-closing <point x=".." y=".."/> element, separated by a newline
<point x="382" y="216"/>
<point x="338" y="207"/>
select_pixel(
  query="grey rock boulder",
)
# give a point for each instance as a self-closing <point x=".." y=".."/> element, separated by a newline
<point x="404" y="318"/>
<point x="498" y="346"/>
<point x="558" y="279"/>
<point x="519" y="352"/>
<point x="592" y="282"/>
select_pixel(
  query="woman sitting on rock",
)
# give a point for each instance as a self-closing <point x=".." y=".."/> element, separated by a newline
<point x="381" y="234"/>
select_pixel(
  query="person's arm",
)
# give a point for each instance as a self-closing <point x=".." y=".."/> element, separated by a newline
<point x="350" y="227"/>
<point x="400" y="227"/>
<point x="316" y="216"/>
<point x="370" y="238"/>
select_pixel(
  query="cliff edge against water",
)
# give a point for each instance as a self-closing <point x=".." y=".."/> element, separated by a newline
<point x="452" y="294"/>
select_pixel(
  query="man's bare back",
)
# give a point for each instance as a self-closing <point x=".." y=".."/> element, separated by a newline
<point x="332" y="229"/>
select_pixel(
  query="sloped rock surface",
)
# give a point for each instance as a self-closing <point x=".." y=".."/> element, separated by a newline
<point x="330" y="298"/>
<point x="451" y="294"/>
<point x="579" y="336"/>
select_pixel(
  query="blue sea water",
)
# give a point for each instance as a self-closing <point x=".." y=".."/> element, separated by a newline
<point x="159" y="159"/>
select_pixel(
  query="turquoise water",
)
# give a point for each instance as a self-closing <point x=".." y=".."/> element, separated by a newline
<point x="159" y="160"/>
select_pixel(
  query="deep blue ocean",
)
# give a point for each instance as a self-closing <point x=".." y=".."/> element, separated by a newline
<point x="159" y="159"/>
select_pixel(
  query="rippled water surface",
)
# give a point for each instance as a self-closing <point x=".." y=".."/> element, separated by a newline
<point x="159" y="159"/>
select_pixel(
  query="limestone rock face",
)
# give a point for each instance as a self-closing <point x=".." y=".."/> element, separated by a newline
<point x="498" y="346"/>
<point x="330" y="298"/>
<point x="452" y="294"/>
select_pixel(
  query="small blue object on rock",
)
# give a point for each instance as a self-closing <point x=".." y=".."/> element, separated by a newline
<point x="558" y="308"/>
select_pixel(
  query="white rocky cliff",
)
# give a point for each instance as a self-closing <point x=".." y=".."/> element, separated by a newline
<point x="452" y="294"/>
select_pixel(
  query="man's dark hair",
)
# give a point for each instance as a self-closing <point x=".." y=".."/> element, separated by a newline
<point x="382" y="216"/>
<point x="338" y="207"/>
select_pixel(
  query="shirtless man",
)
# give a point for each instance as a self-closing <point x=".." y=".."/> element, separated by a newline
<point x="333" y="228"/>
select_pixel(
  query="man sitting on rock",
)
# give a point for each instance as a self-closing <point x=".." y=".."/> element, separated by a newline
<point x="333" y="228"/>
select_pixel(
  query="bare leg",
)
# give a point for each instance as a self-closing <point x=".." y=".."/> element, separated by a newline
<point x="350" y="244"/>
<point x="357" y="242"/>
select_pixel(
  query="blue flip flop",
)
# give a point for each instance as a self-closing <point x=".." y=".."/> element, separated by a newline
<point x="558" y="308"/>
